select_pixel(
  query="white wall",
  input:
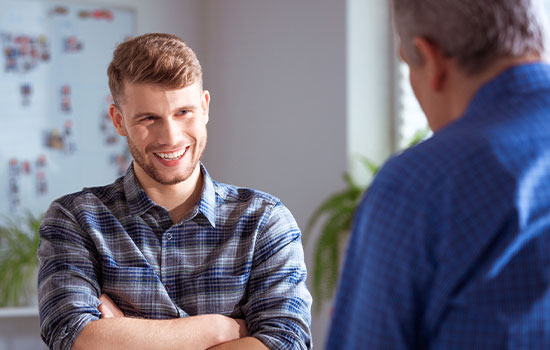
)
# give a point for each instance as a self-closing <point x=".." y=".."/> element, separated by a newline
<point x="276" y="72"/>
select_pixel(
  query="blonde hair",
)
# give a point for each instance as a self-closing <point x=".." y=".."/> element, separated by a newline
<point x="153" y="58"/>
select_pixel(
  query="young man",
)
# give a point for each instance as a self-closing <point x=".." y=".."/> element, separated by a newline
<point x="451" y="244"/>
<point x="165" y="257"/>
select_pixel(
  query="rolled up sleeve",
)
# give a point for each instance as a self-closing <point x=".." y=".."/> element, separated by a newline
<point x="278" y="309"/>
<point x="68" y="287"/>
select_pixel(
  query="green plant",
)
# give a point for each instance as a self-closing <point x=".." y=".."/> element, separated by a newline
<point x="18" y="262"/>
<point x="336" y="214"/>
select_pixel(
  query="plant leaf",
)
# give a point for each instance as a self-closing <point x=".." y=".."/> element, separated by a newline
<point x="347" y="199"/>
<point x="336" y="214"/>
<point x="20" y="240"/>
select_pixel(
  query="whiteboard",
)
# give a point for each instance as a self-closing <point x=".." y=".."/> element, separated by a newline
<point x="56" y="136"/>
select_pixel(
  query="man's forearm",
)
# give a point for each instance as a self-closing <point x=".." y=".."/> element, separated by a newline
<point x="247" y="343"/>
<point x="198" y="332"/>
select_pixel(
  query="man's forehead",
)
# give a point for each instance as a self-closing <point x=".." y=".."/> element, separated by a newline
<point x="192" y="91"/>
<point x="146" y="97"/>
<point x="162" y="87"/>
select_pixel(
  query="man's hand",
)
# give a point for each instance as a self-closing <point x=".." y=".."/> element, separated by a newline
<point x="108" y="308"/>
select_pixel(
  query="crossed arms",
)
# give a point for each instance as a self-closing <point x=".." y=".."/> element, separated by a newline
<point x="115" y="331"/>
<point x="77" y="269"/>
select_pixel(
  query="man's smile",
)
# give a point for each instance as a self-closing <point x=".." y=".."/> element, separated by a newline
<point x="171" y="159"/>
<point x="171" y="155"/>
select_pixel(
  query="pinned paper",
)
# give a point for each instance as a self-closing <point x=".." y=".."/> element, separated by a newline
<point x="41" y="183"/>
<point x="26" y="92"/>
<point x="66" y="98"/>
<point x="72" y="45"/>
<point x="13" y="184"/>
<point x="59" y="11"/>
<point x="61" y="140"/>
<point x="99" y="14"/>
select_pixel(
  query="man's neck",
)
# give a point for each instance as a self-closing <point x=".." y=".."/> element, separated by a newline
<point x="470" y="85"/>
<point x="179" y="198"/>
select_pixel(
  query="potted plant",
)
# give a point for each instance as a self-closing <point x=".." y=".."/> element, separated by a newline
<point x="18" y="261"/>
<point x="336" y="216"/>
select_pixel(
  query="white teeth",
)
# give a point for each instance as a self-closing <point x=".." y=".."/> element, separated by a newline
<point x="171" y="156"/>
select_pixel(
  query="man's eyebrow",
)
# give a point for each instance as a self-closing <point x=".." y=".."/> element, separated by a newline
<point x="144" y="114"/>
<point x="186" y="107"/>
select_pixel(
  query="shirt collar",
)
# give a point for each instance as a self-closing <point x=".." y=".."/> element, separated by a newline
<point x="139" y="202"/>
<point x="207" y="203"/>
<point x="521" y="79"/>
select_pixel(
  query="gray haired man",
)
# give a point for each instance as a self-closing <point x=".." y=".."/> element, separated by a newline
<point x="451" y="244"/>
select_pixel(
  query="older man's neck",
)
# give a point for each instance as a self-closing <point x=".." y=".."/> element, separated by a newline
<point x="466" y="86"/>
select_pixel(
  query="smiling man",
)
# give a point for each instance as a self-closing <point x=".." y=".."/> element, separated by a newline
<point x="166" y="257"/>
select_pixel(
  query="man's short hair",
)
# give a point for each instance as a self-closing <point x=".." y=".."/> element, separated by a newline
<point x="474" y="32"/>
<point x="153" y="58"/>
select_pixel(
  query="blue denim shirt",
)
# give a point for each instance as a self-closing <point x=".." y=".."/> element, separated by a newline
<point x="451" y="244"/>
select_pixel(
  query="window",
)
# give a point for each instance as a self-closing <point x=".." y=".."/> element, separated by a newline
<point x="410" y="117"/>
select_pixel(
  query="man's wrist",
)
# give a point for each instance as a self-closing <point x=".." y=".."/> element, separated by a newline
<point x="225" y="328"/>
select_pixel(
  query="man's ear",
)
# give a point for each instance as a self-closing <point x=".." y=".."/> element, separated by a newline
<point x="118" y="120"/>
<point x="205" y="104"/>
<point x="434" y="58"/>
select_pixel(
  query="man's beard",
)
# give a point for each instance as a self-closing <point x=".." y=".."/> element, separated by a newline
<point x="154" y="173"/>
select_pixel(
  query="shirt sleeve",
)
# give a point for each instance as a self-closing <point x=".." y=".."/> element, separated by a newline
<point x="385" y="275"/>
<point x="278" y="307"/>
<point x="68" y="287"/>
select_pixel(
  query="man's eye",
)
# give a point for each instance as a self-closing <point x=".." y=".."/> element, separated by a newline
<point x="148" y="118"/>
<point x="184" y="112"/>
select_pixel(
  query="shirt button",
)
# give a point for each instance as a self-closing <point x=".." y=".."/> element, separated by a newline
<point x="168" y="236"/>
<point x="168" y="286"/>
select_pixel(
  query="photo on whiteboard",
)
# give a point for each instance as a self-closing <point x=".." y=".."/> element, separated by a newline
<point x="59" y="11"/>
<point x="99" y="14"/>
<point x="61" y="140"/>
<point x="26" y="92"/>
<point x="65" y="98"/>
<point x="72" y="44"/>
<point x="23" y="53"/>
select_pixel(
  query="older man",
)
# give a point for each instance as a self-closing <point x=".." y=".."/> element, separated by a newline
<point x="451" y="244"/>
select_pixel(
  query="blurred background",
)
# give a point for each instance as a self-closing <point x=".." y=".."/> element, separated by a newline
<point x="302" y="93"/>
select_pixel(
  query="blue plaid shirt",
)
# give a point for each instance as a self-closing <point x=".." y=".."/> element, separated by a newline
<point x="451" y="245"/>
<point x="238" y="253"/>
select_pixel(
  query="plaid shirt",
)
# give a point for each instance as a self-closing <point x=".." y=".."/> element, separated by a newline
<point x="451" y="244"/>
<point x="238" y="253"/>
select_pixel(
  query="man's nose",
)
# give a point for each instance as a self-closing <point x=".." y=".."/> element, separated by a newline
<point x="169" y="133"/>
